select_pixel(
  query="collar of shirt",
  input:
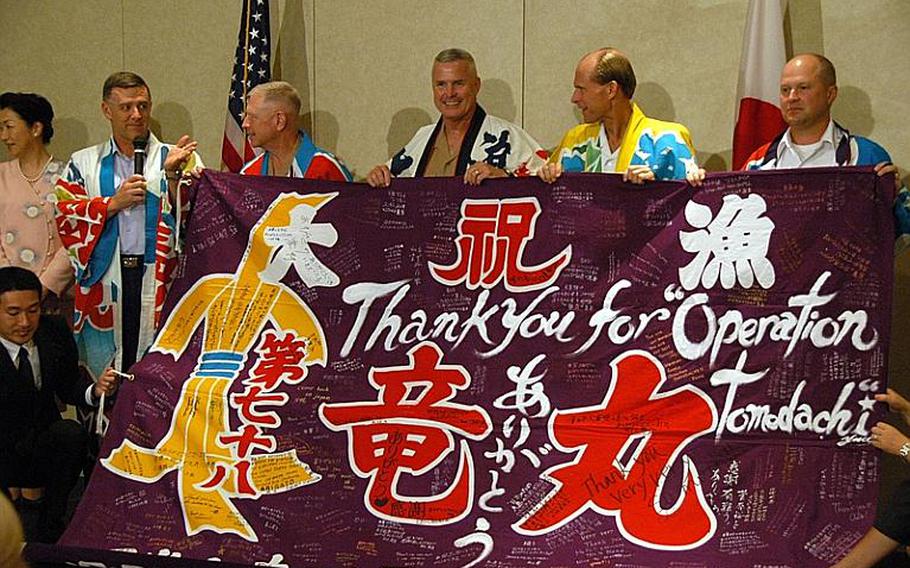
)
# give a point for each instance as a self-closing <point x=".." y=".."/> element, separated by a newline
<point x="13" y="350"/>
<point x="787" y="156"/>
<point x="608" y="158"/>
<point x="123" y="165"/>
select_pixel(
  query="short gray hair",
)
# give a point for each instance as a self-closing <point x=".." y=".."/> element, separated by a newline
<point x="280" y="92"/>
<point x="456" y="54"/>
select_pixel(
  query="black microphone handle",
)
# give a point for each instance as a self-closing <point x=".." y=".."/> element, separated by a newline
<point x="139" y="162"/>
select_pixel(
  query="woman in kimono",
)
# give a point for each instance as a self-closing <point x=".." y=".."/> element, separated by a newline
<point x="28" y="233"/>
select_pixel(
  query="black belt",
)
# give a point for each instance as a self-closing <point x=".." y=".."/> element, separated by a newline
<point x="131" y="260"/>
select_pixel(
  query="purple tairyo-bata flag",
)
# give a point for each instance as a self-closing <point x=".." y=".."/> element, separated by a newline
<point x="519" y="374"/>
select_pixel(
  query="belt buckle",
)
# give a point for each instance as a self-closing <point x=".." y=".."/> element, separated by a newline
<point x="129" y="261"/>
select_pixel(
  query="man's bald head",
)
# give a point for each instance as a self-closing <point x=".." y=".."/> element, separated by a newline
<point x="808" y="88"/>
<point x="610" y="64"/>
<point x="603" y="85"/>
<point x="817" y="63"/>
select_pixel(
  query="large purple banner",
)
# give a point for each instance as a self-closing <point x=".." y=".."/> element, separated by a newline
<point x="582" y="374"/>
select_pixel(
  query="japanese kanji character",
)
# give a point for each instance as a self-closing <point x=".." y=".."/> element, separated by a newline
<point x="738" y="240"/>
<point x="280" y="359"/>
<point x="291" y="245"/>
<point x="497" y="149"/>
<point x="250" y="435"/>
<point x="621" y="471"/>
<point x="491" y="243"/>
<point x="248" y="401"/>
<point x="240" y="482"/>
<point x="404" y="433"/>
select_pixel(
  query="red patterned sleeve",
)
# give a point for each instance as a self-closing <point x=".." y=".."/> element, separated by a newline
<point x="80" y="221"/>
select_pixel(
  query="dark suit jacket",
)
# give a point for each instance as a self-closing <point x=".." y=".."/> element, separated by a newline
<point x="24" y="412"/>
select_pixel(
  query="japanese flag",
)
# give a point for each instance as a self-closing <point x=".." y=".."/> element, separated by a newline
<point x="758" y="118"/>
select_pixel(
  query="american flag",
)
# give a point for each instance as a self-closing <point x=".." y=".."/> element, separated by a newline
<point x="251" y="66"/>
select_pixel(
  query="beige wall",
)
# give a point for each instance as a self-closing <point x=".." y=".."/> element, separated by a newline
<point x="363" y="68"/>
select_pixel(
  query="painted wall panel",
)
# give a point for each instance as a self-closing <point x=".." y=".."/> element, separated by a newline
<point x="373" y="63"/>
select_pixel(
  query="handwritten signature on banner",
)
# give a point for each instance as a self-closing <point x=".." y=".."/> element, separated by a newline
<point x="422" y="450"/>
<point x="730" y="250"/>
<point x="214" y="463"/>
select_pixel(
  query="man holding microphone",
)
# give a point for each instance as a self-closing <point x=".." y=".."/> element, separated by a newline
<point x="118" y="213"/>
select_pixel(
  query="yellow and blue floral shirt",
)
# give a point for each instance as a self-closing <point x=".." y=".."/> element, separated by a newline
<point x="665" y="147"/>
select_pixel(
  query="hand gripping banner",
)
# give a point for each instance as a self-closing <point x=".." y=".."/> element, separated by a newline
<point x="513" y="375"/>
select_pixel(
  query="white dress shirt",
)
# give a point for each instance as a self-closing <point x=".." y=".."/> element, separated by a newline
<point x="35" y="361"/>
<point x="608" y="159"/>
<point x="13" y="350"/>
<point x="816" y="155"/>
<point x="131" y="219"/>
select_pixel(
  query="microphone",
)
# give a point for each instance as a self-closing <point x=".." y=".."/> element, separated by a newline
<point x="139" y="145"/>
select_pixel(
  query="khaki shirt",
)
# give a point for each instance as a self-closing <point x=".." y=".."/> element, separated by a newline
<point x="442" y="162"/>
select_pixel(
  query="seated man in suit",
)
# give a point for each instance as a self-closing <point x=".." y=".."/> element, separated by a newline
<point x="38" y="360"/>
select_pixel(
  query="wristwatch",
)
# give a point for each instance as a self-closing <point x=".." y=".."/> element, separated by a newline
<point x="904" y="451"/>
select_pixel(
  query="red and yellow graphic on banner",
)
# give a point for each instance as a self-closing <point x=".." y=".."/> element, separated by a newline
<point x="214" y="464"/>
